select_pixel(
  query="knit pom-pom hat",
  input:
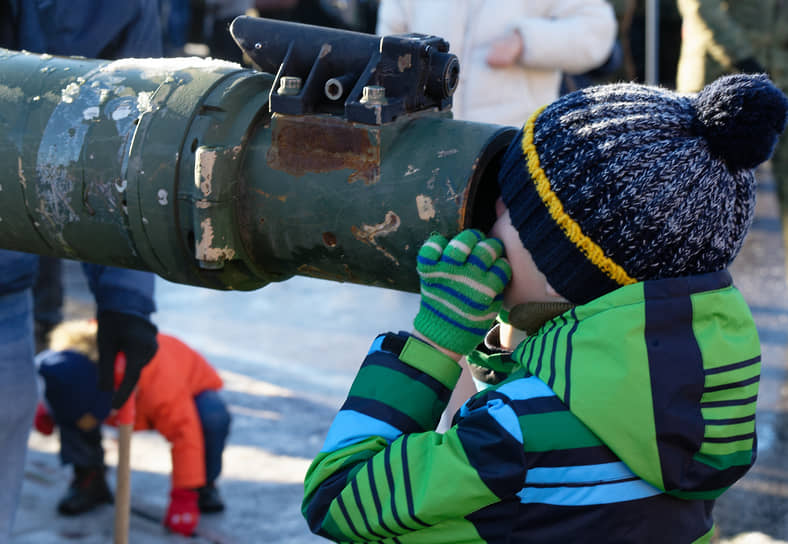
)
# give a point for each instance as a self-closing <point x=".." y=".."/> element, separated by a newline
<point x="616" y="184"/>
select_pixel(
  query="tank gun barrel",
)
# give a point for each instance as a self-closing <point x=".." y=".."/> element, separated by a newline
<point x="211" y="174"/>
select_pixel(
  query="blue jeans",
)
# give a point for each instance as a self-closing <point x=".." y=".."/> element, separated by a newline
<point x="215" y="421"/>
<point x="48" y="291"/>
<point x="83" y="448"/>
<point x="18" y="399"/>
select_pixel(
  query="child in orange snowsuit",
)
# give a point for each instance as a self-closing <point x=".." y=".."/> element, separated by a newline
<point x="177" y="395"/>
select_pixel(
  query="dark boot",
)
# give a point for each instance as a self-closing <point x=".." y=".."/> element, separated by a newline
<point x="208" y="499"/>
<point x="88" y="489"/>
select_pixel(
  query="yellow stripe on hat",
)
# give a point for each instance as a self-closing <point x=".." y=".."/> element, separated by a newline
<point x="586" y="245"/>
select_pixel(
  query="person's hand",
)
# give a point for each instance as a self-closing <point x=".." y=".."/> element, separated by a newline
<point x="43" y="421"/>
<point x="505" y="50"/>
<point x="136" y="338"/>
<point x="462" y="282"/>
<point x="182" y="514"/>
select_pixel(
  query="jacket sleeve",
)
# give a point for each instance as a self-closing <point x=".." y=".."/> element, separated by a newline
<point x="577" y="36"/>
<point x="121" y="290"/>
<point x="384" y="472"/>
<point x="728" y="42"/>
<point x="143" y="35"/>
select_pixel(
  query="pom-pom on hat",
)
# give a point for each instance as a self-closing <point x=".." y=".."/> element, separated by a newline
<point x="615" y="184"/>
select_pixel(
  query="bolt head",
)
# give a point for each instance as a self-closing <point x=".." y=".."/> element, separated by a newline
<point x="289" y="85"/>
<point x="373" y="94"/>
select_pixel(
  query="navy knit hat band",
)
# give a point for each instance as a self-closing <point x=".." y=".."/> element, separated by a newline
<point x="573" y="263"/>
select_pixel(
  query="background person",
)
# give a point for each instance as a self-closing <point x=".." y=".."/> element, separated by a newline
<point x="124" y="298"/>
<point x="512" y="52"/>
<point x="177" y="395"/>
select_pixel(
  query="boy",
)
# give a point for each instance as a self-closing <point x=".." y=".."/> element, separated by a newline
<point x="631" y="405"/>
<point x="177" y="395"/>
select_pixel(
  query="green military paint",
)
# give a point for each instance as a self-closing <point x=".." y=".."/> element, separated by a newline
<point x="177" y="166"/>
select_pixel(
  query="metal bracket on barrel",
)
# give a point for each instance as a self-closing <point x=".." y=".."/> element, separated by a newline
<point x="360" y="77"/>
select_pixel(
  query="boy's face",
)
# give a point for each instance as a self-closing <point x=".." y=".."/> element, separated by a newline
<point x="528" y="284"/>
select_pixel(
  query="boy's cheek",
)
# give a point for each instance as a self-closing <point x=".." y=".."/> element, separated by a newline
<point x="512" y="295"/>
<point x="500" y="207"/>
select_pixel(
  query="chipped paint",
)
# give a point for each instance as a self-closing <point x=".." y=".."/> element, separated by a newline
<point x="425" y="207"/>
<point x="433" y="178"/>
<point x="368" y="234"/>
<point x="21" y="172"/>
<point x="162" y="194"/>
<point x="55" y="199"/>
<point x="11" y="94"/>
<point x="447" y="153"/>
<point x="206" y="160"/>
<point x="280" y="198"/>
<point x="63" y="189"/>
<point x="121" y="112"/>
<point x="411" y="170"/>
<point x="378" y="112"/>
<point x="90" y="113"/>
<point x="68" y="94"/>
<point x="404" y="62"/>
<point x="204" y="249"/>
<point x="451" y="194"/>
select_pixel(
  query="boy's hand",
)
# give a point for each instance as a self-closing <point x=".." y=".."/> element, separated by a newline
<point x="462" y="282"/>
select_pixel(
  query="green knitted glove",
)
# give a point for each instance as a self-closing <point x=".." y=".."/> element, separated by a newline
<point x="462" y="282"/>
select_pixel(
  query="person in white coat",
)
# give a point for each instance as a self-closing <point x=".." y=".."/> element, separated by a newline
<point x="512" y="52"/>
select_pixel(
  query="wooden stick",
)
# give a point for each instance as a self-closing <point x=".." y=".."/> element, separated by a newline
<point x="123" y="487"/>
<point x="125" y="419"/>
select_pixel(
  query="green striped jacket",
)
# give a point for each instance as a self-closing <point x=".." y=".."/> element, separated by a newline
<point x="626" y="418"/>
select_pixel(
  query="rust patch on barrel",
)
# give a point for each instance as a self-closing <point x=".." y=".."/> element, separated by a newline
<point x="303" y="145"/>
